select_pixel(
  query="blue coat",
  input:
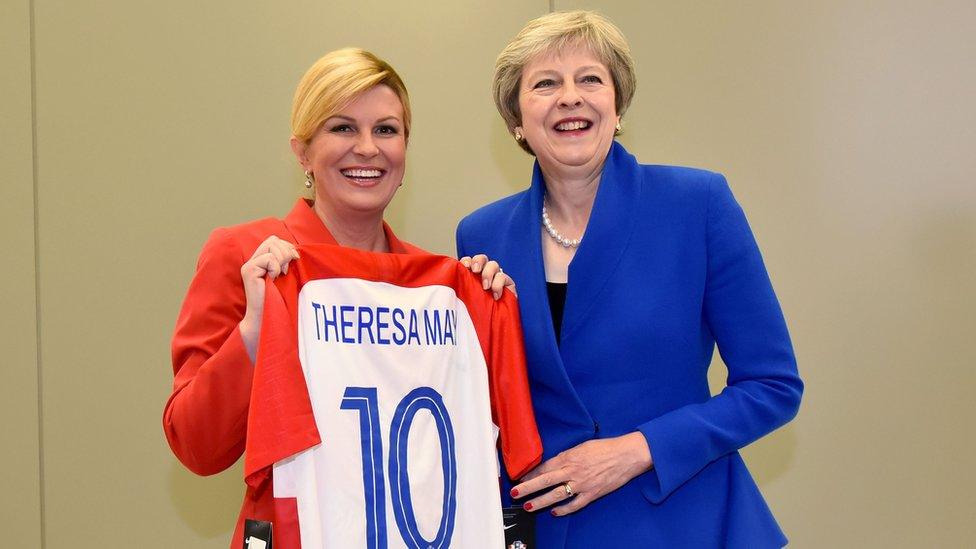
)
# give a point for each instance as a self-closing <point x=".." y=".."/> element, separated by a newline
<point x="668" y="268"/>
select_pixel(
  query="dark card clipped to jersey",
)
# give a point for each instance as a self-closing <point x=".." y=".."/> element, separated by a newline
<point x="519" y="528"/>
<point x="257" y="534"/>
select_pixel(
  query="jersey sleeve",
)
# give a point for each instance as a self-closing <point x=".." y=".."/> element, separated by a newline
<point x="763" y="388"/>
<point x="280" y="419"/>
<point x="511" y="403"/>
<point x="205" y="416"/>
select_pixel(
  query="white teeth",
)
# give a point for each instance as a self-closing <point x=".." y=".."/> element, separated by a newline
<point x="361" y="173"/>
<point x="574" y="125"/>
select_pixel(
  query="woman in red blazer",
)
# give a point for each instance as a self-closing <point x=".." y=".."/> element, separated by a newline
<point x="350" y="125"/>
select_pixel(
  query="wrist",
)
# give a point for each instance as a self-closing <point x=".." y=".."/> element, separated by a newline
<point x="639" y="450"/>
<point x="250" y="326"/>
<point x="250" y="330"/>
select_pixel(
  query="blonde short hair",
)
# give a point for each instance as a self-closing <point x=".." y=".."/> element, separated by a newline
<point x="553" y="33"/>
<point x="334" y="81"/>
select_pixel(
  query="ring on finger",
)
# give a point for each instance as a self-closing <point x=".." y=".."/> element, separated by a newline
<point x="569" y="489"/>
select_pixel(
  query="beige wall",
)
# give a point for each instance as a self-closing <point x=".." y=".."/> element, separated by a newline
<point x="20" y="466"/>
<point x="846" y="130"/>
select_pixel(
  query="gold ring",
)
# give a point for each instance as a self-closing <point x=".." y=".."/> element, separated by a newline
<point x="569" y="490"/>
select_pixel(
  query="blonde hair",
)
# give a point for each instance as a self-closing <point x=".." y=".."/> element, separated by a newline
<point x="550" y="34"/>
<point x="334" y="81"/>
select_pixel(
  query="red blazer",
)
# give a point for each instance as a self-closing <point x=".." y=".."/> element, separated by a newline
<point x="205" y="418"/>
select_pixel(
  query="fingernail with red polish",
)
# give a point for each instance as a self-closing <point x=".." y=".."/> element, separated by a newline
<point x="527" y="507"/>
<point x="554" y="513"/>
<point x="514" y="493"/>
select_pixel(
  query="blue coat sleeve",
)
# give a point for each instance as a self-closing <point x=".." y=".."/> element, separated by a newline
<point x="741" y="313"/>
<point x="458" y="240"/>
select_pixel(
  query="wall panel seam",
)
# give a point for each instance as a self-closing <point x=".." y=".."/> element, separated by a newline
<point x="37" y="277"/>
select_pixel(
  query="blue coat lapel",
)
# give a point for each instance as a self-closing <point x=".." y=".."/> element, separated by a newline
<point x="523" y="261"/>
<point x="608" y="233"/>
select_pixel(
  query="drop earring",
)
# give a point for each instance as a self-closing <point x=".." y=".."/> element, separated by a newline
<point x="518" y="134"/>
<point x="309" y="178"/>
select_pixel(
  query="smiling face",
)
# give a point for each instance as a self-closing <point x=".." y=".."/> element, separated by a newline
<point x="566" y="99"/>
<point x="357" y="156"/>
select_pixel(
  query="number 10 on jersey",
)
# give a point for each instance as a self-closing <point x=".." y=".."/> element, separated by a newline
<point x="365" y="401"/>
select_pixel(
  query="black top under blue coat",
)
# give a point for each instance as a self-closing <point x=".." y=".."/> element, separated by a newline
<point x="557" y="299"/>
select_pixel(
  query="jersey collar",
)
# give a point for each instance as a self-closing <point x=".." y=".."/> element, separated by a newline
<point x="305" y="225"/>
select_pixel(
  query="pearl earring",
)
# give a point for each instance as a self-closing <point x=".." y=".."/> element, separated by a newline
<point x="518" y="135"/>
<point x="308" y="179"/>
<point x="618" y="126"/>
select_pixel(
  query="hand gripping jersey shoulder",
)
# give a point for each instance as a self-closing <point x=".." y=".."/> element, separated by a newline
<point x="381" y="383"/>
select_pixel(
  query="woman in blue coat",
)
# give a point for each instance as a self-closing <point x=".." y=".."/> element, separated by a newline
<point x="629" y="275"/>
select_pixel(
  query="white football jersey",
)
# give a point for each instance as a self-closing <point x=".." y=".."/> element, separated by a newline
<point x="381" y="385"/>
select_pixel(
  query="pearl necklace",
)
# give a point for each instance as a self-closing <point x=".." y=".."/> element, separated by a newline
<point x="559" y="238"/>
